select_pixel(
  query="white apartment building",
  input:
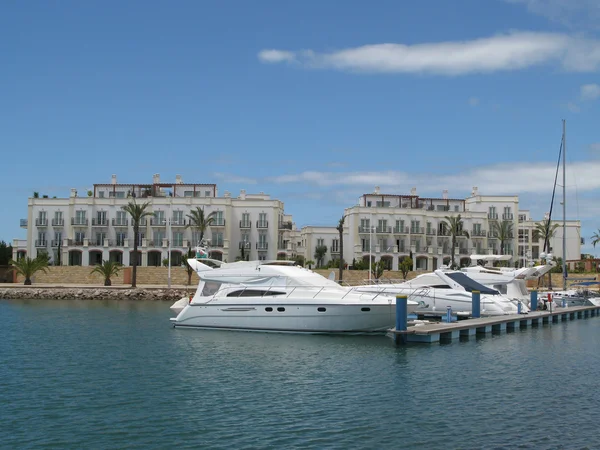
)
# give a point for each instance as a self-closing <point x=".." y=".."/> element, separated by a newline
<point x="390" y="227"/>
<point x="85" y="230"/>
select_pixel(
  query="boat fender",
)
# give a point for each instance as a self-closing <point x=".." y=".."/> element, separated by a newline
<point x="191" y="297"/>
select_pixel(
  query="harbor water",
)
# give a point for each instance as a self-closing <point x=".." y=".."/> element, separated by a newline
<point x="115" y="374"/>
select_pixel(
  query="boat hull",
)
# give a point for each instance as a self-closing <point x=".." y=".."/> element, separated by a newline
<point x="290" y="318"/>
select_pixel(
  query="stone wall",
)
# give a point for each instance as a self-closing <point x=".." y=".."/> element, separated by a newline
<point x="58" y="293"/>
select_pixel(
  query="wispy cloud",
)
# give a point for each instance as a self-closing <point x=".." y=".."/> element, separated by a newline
<point x="512" y="51"/>
<point x="571" y="13"/>
<point x="473" y="101"/>
<point x="590" y="91"/>
<point x="573" y="107"/>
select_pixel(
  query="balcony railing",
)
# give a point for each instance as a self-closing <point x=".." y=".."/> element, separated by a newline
<point x="365" y="229"/>
<point x="263" y="224"/>
<point x="178" y="243"/>
<point x="492" y="235"/>
<point x="478" y="233"/>
<point x="41" y="222"/>
<point x="400" y="230"/>
<point x="82" y="222"/>
<point x="247" y="224"/>
<point x="384" y="230"/>
<point x="99" y="222"/>
<point x="41" y="243"/>
<point x="493" y="216"/>
<point x="334" y="249"/>
<point x="262" y="245"/>
<point x="23" y="223"/>
<point x="158" y="222"/>
<point x="285" y="225"/>
<point x="430" y="231"/>
<point x="245" y="244"/>
<point x="58" y="222"/>
<point x="120" y="222"/>
<point x="97" y="242"/>
<point x="417" y="230"/>
<point x="178" y="222"/>
<point x="54" y="243"/>
<point x="507" y="217"/>
<point x="218" y="223"/>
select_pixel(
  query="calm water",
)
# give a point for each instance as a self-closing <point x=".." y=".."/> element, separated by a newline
<point x="113" y="374"/>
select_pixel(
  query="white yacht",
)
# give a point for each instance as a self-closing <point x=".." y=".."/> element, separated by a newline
<point x="437" y="290"/>
<point x="278" y="296"/>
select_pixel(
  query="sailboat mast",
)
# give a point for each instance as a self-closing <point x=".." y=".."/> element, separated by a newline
<point x="564" y="241"/>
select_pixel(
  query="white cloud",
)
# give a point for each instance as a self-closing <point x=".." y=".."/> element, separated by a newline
<point x="512" y="51"/>
<point x="571" y="13"/>
<point x="276" y="56"/>
<point x="573" y="107"/>
<point x="590" y="91"/>
<point x="473" y="101"/>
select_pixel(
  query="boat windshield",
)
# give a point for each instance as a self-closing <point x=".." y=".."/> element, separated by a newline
<point x="469" y="284"/>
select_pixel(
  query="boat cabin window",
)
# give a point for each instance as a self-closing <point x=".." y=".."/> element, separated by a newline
<point x="469" y="284"/>
<point x="501" y="288"/>
<point x="253" y="293"/>
<point x="210" y="288"/>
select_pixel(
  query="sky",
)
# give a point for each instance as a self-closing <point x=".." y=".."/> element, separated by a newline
<point x="312" y="102"/>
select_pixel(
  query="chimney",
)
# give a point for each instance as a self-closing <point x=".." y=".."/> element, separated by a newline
<point x="475" y="191"/>
<point x="113" y="179"/>
<point x="227" y="194"/>
<point x="243" y="194"/>
<point x="156" y="178"/>
<point x="178" y="179"/>
<point x="413" y="191"/>
<point x="377" y="190"/>
<point x="445" y="194"/>
<point x="73" y="193"/>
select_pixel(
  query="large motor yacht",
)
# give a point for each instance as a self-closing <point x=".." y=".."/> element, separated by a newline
<point x="281" y="297"/>
<point x="438" y="290"/>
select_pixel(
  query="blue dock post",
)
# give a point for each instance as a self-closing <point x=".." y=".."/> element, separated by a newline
<point x="519" y="307"/>
<point x="534" y="300"/>
<point x="476" y="305"/>
<point x="449" y="314"/>
<point x="401" y="317"/>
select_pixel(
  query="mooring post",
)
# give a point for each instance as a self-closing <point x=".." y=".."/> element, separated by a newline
<point x="401" y="318"/>
<point x="449" y="314"/>
<point x="476" y="304"/>
<point x="533" y="303"/>
<point x="518" y="307"/>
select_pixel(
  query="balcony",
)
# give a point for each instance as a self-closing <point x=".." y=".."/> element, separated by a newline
<point x="430" y="232"/>
<point x="55" y="243"/>
<point x="58" y="222"/>
<point x="366" y="230"/>
<point x="178" y="222"/>
<point x="417" y="230"/>
<point x="79" y="221"/>
<point x="246" y="224"/>
<point x="158" y="222"/>
<point x="262" y="245"/>
<point x="478" y="233"/>
<point x="493" y="216"/>
<point x="41" y="243"/>
<point x="120" y="222"/>
<point x="217" y="244"/>
<point x="263" y="224"/>
<point x="285" y="225"/>
<point x="217" y="222"/>
<point x="400" y="230"/>
<point x="41" y="222"/>
<point x="100" y="222"/>
<point x="158" y="242"/>
<point x="245" y="244"/>
<point x="178" y="243"/>
<point x="334" y="249"/>
<point x="23" y="223"/>
<point x="383" y="230"/>
<point x="507" y="217"/>
<point x="492" y="235"/>
<point x="97" y="242"/>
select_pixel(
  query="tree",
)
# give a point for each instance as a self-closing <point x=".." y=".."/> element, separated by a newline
<point x="405" y="266"/>
<point x="5" y="253"/>
<point x="189" y="269"/>
<point x="299" y="259"/>
<point x="455" y="229"/>
<point x="137" y="213"/>
<point x="107" y="269"/>
<point x="545" y="230"/>
<point x="377" y="269"/>
<point x="320" y="254"/>
<point x="340" y="229"/>
<point x="596" y="238"/>
<point x="504" y="232"/>
<point x="27" y="267"/>
<point x="200" y="222"/>
<point x="309" y="263"/>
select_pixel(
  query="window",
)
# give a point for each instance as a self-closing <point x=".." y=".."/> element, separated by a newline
<point x="121" y="218"/>
<point x="210" y="288"/>
<point x="245" y="220"/>
<point x="101" y="194"/>
<point x="101" y="217"/>
<point x="455" y="208"/>
<point x="320" y="242"/>
<point x="366" y="245"/>
<point x="218" y="218"/>
<point x="178" y="239"/>
<point x="100" y="238"/>
<point x="383" y="204"/>
<point x="381" y="226"/>
<point x="58" y="218"/>
<point x="365" y="225"/>
<point x="178" y="218"/>
<point x="158" y="238"/>
<point x="253" y="293"/>
<point x="262" y="220"/>
<point x="79" y="237"/>
<point x="121" y="239"/>
<point x="217" y="239"/>
<point x="207" y="193"/>
<point x="140" y="238"/>
<point x="80" y="218"/>
<point x="57" y="238"/>
<point x="368" y="204"/>
<point x="188" y="193"/>
<point x="262" y="241"/>
<point x="335" y="245"/>
<point x="159" y="217"/>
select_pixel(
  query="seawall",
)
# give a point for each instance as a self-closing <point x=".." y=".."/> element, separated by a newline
<point x="93" y="293"/>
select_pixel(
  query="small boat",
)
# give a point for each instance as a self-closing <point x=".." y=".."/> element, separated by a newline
<point x="279" y="296"/>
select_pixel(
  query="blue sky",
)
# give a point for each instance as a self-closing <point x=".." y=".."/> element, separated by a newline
<point x="313" y="102"/>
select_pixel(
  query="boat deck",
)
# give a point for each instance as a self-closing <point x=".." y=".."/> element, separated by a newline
<point x="443" y="331"/>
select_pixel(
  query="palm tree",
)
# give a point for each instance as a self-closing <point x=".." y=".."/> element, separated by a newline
<point x="596" y="238"/>
<point x="28" y="267"/>
<point x="137" y="213"/>
<point x="107" y="269"/>
<point x="503" y="231"/>
<point x="309" y="263"/>
<point x="454" y="229"/>
<point x="320" y="251"/>
<point x="199" y="222"/>
<point x="189" y="269"/>
<point x="545" y="230"/>
<point x="340" y="229"/>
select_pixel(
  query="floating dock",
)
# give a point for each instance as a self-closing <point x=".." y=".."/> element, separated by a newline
<point x="444" y="332"/>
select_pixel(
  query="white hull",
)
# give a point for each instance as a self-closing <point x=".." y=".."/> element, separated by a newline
<point x="290" y="317"/>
